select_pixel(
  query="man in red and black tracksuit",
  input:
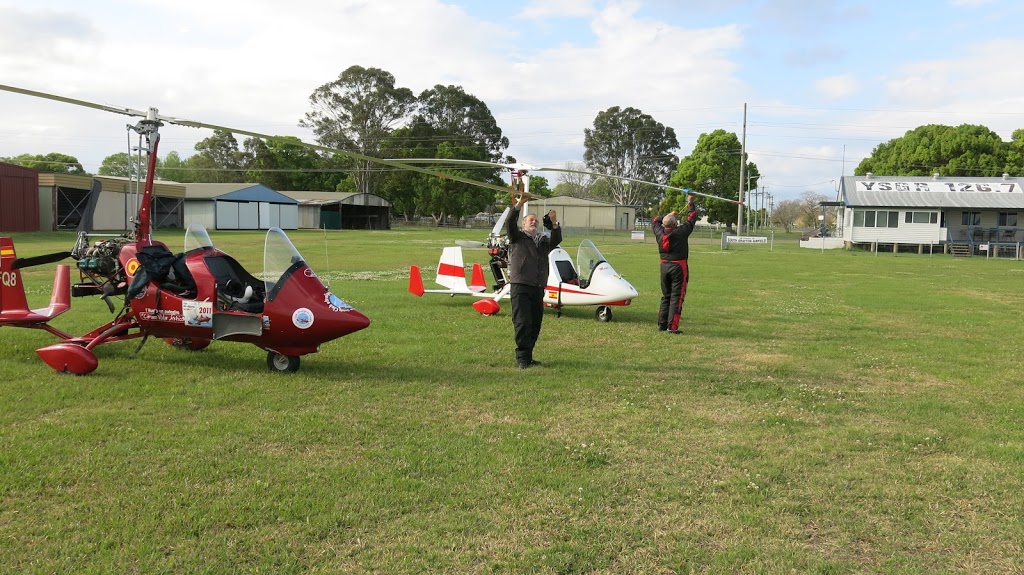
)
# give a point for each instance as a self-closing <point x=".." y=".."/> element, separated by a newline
<point x="673" y="239"/>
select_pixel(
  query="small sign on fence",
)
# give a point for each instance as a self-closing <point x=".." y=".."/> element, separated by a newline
<point x="637" y="235"/>
<point x="746" y="239"/>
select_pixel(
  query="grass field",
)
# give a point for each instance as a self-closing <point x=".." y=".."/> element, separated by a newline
<point x="836" y="412"/>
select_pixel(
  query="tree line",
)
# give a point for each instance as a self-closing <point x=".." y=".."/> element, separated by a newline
<point x="363" y="111"/>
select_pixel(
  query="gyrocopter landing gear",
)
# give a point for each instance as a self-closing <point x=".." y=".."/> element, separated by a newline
<point x="280" y="362"/>
<point x="603" y="313"/>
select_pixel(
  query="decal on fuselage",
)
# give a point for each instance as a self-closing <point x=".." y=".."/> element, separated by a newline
<point x="302" y="318"/>
<point x="336" y="303"/>
<point x="198" y="313"/>
<point x="168" y="315"/>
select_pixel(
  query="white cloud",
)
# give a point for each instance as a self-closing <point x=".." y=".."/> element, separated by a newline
<point x="837" y="87"/>
<point x="538" y="9"/>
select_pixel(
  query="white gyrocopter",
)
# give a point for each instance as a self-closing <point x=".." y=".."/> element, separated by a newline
<point x="590" y="281"/>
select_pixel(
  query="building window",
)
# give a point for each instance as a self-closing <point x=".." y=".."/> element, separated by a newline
<point x="876" y="219"/>
<point x="1008" y="219"/>
<point x="970" y="218"/>
<point x="921" y="218"/>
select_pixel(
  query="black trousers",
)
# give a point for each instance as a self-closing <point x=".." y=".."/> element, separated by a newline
<point x="527" y="315"/>
<point x="674" y="277"/>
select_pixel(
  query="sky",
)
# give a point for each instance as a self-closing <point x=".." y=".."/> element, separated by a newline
<point x="823" y="82"/>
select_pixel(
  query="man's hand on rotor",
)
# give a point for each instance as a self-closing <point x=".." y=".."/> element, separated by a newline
<point x="551" y="219"/>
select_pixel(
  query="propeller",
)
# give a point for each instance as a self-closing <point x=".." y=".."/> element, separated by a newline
<point x="39" y="260"/>
<point x="470" y="244"/>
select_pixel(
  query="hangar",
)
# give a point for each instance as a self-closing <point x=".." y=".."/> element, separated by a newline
<point x="246" y="206"/>
<point x="62" y="201"/>
<point x="583" y="213"/>
<point x="342" y="210"/>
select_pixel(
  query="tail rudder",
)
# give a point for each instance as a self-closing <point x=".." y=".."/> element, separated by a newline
<point x="415" y="281"/>
<point x="12" y="290"/>
<point x="60" y="295"/>
<point x="478" y="283"/>
<point x="451" y="272"/>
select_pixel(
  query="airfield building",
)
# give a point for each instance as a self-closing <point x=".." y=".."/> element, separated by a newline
<point x="239" y="207"/>
<point x="40" y="201"/>
<point x="958" y="215"/>
<point x="583" y="213"/>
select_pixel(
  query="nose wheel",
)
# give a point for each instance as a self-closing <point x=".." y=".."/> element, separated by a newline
<point x="282" y="363"/>
<point x="603" y="313"/>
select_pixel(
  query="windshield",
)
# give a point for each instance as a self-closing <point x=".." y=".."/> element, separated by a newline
<point x="279" y="256"/>
<point x="587" y="258"/>
<point x="196" y="238"/>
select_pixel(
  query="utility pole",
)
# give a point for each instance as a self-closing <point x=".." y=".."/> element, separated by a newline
<point x="764" y="213"/>
<point x="743" y="173"/>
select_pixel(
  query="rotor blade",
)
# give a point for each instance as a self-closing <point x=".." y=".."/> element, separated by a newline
<point x="393" y="163"/>
<point x="528" y="168"/>
<point x="634" y="180"/>
<point x="195" y="124"/>
<point x="460" y="162"/>
<point x="39" y="260"/>
<point x="44" y="95"/>
<point x="500" y="224"/>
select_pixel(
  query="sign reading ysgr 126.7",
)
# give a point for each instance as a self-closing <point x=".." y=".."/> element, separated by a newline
<point x="746" y="239"/>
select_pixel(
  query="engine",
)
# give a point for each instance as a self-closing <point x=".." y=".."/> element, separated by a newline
<point x="98" y="264"/>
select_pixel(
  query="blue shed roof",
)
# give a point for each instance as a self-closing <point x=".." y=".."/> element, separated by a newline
<point x="257" y="193"/>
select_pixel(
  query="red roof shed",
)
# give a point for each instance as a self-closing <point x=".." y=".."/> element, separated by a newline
<point x="19" y="199"/>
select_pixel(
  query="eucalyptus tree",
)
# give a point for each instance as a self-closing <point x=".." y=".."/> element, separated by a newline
<point x="173" y="168"/>
<point x="451" y="124"/>
<point x="713" y="168"/>
<point x="357" y="112"/>
<point x="284" y="163"/>
<point x="626" y="142"/>
<point x="573" y="183"/>
<point x="217" y="159"/>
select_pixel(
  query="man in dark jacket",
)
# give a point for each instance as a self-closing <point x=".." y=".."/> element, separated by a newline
<point x="673" y="240"/>
<point x="528" y="274"/>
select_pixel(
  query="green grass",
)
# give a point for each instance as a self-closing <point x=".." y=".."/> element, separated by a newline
<point x="836" y="412"/>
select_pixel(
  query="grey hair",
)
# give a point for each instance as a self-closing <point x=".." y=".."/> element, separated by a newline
<point x="669" y="221"/>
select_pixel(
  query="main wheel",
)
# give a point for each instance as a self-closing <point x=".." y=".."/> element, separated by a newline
<point x="604" y="313"/>
<point x="281" y="362"/>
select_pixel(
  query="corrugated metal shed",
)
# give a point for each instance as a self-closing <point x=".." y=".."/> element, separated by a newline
<point x="933" y="192"/>
<point x="62" y="196"/>
<point x="115" y="184"/>
<point x="584" y="213"/>
<point x="344" y="198"/>
<point x="243" y="206"/>
<point x="342" y="210"/>
<point x="19" y="199"/>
